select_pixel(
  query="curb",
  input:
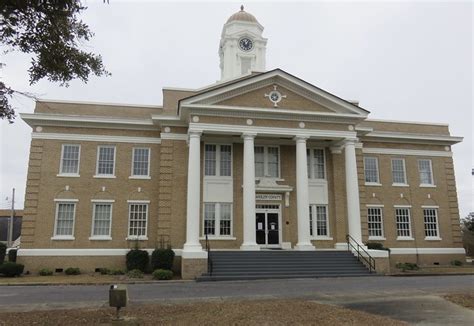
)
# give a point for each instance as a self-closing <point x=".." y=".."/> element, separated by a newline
<point x="93" y="283"/>
<point x="431" y="274"/>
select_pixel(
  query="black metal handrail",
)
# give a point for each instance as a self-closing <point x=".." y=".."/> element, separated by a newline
<point x="209" y="258"/>
<point x="369" y="260"/>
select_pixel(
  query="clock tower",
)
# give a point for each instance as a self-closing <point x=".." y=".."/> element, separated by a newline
<point x="242" y="47"/>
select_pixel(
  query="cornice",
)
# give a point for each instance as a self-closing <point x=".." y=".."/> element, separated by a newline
<point x="404" y="152"/>
<point x="97" y="138"/>
<point x="389" y="136"/>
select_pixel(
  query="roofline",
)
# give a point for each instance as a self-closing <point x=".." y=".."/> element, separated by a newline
<point x="410" y="122"/>
<point x="143" y="106"/>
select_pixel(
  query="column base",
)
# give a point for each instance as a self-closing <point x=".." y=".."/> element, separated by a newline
<point x="193" y="251"/>
<point x="304" y="247"/>
<point x="250" y="247"/>
<point x="340" y="246"/>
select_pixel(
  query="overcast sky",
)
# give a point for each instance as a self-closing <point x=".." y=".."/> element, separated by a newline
<point x="401" y="60"/>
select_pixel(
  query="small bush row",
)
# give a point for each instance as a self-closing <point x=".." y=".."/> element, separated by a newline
<point x="11" y="269"/>
<point x="407" y="266"/>
<point x="160" y="259"/>
<point x="106" y="271"/>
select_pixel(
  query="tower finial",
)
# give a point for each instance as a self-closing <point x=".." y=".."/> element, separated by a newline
<point x="241" y="7"/>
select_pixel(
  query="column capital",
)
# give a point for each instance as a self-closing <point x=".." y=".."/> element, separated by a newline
<point x="350" y="141"/>
<point x="194" y="133"/>
<point x="249" y="135"/>
<point x="301" y="138"/>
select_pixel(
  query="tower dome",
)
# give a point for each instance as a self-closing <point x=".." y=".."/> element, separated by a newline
<point x="242" y="15"/>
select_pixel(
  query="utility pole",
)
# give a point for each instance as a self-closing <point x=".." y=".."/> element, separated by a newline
<point x="10" y="225"/>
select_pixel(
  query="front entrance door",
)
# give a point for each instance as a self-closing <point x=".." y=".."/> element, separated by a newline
<point x="268" y="225"/>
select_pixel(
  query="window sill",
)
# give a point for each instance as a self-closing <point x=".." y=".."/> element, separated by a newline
<point x="424" y="185"/>
<point x="63" y="238"/>
<point x="433" y="239"/>
<point x="373" y="184"/>
<point x="100" y="238"/>
<point x="218" y="238"/>
<point x="277" y="179"/>
<point x="140" y="238"/>
<point x="377" y="238"/>
<point x="405" y="239"/>
<point x="321" y="238"/>
<point x="400" y="185"/>
<point x="64" y="175"/>
<point x="98" y="176"/>
<point x="140" y="177"/>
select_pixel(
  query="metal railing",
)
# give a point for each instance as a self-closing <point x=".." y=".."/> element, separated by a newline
<point x="368" y="260"/>
<point x="209" y="257"/>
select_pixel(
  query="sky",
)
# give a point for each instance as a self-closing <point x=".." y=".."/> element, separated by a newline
<point x="406" y="60"/>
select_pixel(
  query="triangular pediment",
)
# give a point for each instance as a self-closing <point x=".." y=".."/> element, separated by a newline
<point x="256" y="90"/>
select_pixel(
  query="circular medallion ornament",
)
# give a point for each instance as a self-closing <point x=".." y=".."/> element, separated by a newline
<point x="249" y="122"/>
<point x="302" y="125"/>
<point x="351" y="127"/>
<point x="167" y="129"/>
<point x="195" y="118"/>
<point x="39" y="129"/>
<point x="245" y="44"/>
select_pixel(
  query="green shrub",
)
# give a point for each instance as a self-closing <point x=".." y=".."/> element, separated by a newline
<point x="3" y="252"/>
<point x="45" y="272"/>
<point x="104" y="271"/>
<point x="162" y="259"/>
<point x="407" y="266"/>
<point x="10" y="269"/>
<point x="72" y="271"/>
<point x="456" y="263"/>
<point x="135" y="273"/>
<point x="116" y="272"/>
<point x="137" y="259"/>
<point x="12" y="255"/>
<point x="162" y="274"/>
<point x="376" y="246"/>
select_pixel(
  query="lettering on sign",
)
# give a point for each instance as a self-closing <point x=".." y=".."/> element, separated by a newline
<point x="268" y="197"/>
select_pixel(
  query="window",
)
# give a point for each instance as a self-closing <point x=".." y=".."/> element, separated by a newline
<point x="218" y="219"/>
<point x="426" y="172"/>
<point x="106" y="161"/>
<point x="70" y="159"/>
<point x="318" y="221"/>
<point x="65" y="213"/>
<point x="398" y="171"/>
<point x="141" y="162"/>
<point x="101" y="220"/>
<point x="137" y="221"/>
<point x="267" y="161"/>
<point x="374" y="221"/>
<point x="430" y="216"/>
<point x="403" y="222"/>
<point x="316" y="163"/>
<point x="218" y="160"/>
<point x="371" y="169"/>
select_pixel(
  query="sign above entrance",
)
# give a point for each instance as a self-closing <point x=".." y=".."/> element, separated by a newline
<point x="268" y="197"/>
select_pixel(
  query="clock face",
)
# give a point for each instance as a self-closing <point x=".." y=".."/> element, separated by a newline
<point x="246" y="44"/>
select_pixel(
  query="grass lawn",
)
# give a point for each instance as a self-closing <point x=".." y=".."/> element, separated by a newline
<point x="248" y="312"/>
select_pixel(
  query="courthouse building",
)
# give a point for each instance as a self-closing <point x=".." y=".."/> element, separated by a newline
<point x="260" y="160"/>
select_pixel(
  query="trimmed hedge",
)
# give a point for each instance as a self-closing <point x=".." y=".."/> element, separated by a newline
<point x="12" y="255"/>
<point x="135" y="273"/>
<point x="407" y="266"/>
<point x="72" y="271"/>
<point x="10" y="269"/>
<point x="3" y="252"/>
<point x="45" y="272"/>
<point x="162" y="259"/>
<point x="137" y="259"/>
<point x="162" y="274"/>
<point x="376" y="246"/>
<point x="456" y="262"/>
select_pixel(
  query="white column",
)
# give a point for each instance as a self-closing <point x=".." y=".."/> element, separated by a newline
<point x="250" y="242"/>
<point x="352" y="191"/>
<point x="302" y="202"/>
<point x="192" y="244"/>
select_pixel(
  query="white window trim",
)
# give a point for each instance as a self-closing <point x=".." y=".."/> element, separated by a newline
<point x="382" y="237"/>
<point x="311" y="163"/>
<point x="70" y="175"/>
<point x="217" y="223"/>
<point x="378" y="183"/>
<point x="400" y="184"/>
<point x="426" y="185"/>
<point x="404" y="238"/>
<point x="265" y="162"/>
<point x="315" y="231"/>
<point x="431" y="238"/>
<point x="64" y="237"/>
<point x="101" y="237"/>
<point x="133" y="176"/>
<point x="97" y="175"/>
<point x="218" y="161"/>
<point x="140" y="237"/>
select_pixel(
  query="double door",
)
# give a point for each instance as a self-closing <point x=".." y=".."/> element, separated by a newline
<point x="267" y="224"/>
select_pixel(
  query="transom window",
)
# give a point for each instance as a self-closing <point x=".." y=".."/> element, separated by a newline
<point x="267" y="161"/>
<point x="316" y="163"/>
<point x="70" y="159"/>
<point x="403" y="222"/>
<point x="217" y="219"/>
<point x="374" y="220"/>
<point x="426" y="172"/>
<point x="371" y="169"/>
<point x="106" y="160"/>
<point x="137" y="220"/>
<point x="65" y="214"/>
<point x="398" y="171"/>
<point x="218" y="160"/>
<point x="141" y="162"/>
<point x="430" y="216"/>
<point x="318" y="221"/>
<point x="102" y="219"/>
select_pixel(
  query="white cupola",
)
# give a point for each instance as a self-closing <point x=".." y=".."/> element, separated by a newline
<point x="242" y="48"/>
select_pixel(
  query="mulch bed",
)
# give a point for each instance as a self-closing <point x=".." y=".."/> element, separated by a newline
<point x="463" y="299"/>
